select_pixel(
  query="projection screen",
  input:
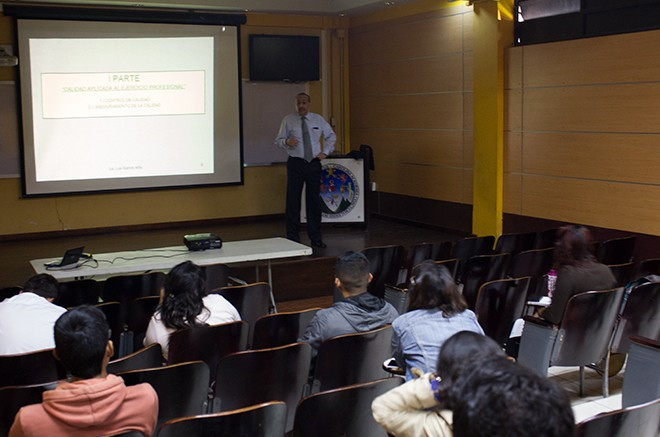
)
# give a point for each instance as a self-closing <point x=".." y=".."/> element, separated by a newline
<point x="112" y="106"/>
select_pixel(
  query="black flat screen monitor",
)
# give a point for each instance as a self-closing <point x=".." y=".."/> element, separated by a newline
<point x="289" y="58"/>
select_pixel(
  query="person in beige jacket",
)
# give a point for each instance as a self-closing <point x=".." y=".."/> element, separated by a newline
<point x="417" y="408"/>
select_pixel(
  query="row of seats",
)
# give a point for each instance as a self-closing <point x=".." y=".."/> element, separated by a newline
<point x="393" y="264"/>
<point x="224" y="376"/>
<point x="264" y="377"/>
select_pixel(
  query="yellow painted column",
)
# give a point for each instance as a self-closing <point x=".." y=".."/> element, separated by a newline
<point x="490" y="37"/>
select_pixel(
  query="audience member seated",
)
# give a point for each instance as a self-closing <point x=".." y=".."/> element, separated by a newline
<point x="500" y="398"/>
<point x="185" y="302"/>
<point x="436" y="311"/>
<point x="360" y="311"/>
<point x="93" y="402"/>
<point x="577" y="272"/>
<point x="416" y="408"/>
<point x="27" y="319"/>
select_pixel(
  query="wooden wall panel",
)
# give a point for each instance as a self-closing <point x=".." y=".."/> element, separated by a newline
<point x="631" y="207"/>
<point x="441" y="148"/>
<point x="582" y="139"/>
<point x="468" y="182"/>
<point x="468" y="149"/>
<point x="512" y="152"/>
<point x="512" y="110"/>
<point x="420" y="181"/>
<point x="468" y="71"/>
<point x="411" y="100"/>
<point x="615" y="157"/>
<point x="513" y="68"/>
<point x="427" y="75"/>
<point x="468" y="111"/>
<point x="418" y="111"/>
<point x="622" y="58"/>
<point x="615" y="108"/>
<point x="467" y="31"/>
<point x="512" y="203"/>
<point x="422" y="38"/>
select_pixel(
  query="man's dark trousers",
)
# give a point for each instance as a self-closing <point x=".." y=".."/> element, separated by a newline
<point x="299" y="173"/>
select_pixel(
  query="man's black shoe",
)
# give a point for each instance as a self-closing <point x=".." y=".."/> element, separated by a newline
<point x="320" y="244"/>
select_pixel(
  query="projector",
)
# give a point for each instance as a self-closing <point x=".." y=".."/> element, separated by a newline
<point x="202" y="242"/>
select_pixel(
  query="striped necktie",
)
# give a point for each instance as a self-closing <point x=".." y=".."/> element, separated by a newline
<point x="307" y="142"/>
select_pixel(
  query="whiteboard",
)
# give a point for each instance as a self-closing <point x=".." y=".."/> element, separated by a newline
<point x="9" y="155"/>
<point x="264" y="106"/>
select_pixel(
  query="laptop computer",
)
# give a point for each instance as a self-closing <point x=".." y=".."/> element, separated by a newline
<point x="69" y="260"/>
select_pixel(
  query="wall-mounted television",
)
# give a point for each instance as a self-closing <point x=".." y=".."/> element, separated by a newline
<point x="290" y="58"/>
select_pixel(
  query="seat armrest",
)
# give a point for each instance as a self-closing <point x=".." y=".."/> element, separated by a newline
<point x="390" y="366"/>
<point x="537" y="321"/>
<point x="645" y="341"/>
<point x="536" y="345"/>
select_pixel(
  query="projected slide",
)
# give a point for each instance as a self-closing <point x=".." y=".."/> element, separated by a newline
<point x="133" y="113"/>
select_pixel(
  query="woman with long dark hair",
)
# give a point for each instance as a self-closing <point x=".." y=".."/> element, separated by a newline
<point x="436" y="311"/>
<point x="185" y="302"/>
<point x="577" y="270"/>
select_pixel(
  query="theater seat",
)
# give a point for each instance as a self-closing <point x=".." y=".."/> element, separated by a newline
<point x="639" y="420"/>
<point x="263" y="420"/>
<point x="351" y="359"/>
<point x="581" y="338"/>
<point x="342" y="412"/>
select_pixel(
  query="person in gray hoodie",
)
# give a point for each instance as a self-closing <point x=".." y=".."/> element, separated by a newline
<point x="359" y="311"/>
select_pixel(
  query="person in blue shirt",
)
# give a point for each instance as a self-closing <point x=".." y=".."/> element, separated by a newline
<point x="436" y="311"/>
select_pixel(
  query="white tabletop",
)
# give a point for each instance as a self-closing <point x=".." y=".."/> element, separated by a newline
<point x="140" y="261"/>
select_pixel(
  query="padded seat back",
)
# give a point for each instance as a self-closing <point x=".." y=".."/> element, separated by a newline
<point x="30" y="368"/>
<point x="279" y="329"/>
<point x="640" y="316"/>
<point x="251" y="301"/>
<point x="479" y="270"/>
<point x="74" y="293"/>
<point x="342" y="412"/>
<point x="139" y="315"/>
<point x="616" y="250"/>
<point x="256" y="376"/>
<point x="586" y="327"/>
<point x="13" y="398"/>
<point x="499" y="304"/>
<point x="263" y="420"/>
<point x="515" y="243"/>
<point x="638" y="420"/>
<point x="182" y="388"/>
<point x="146" y="358"/>
<point x="384" y="264"/>
<point x="352" y="359"/>
<point x="208" y="343"/>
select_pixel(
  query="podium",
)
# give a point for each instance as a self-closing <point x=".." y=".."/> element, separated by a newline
<point x="343" y="191"/>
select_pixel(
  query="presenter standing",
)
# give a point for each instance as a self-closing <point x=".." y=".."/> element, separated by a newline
<point x="300" y="135"/>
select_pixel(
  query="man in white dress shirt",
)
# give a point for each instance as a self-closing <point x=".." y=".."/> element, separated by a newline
<point x="300" y="135"/>
<point x="27" y="319"/>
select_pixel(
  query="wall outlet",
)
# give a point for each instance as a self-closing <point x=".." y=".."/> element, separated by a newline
<point x="374" y="187"/>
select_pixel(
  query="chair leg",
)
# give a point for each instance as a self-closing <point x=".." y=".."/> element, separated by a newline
<point x="606" y="376"/>
<point x="581" y="381"/>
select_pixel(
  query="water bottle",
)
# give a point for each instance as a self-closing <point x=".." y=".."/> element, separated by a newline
<point x="552" y="280"/>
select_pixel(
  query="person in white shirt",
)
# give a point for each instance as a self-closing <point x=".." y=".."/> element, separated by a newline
<point x="184" y="302"/>
<point x="300" y="136"/>
<point x="27" y="319"/>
